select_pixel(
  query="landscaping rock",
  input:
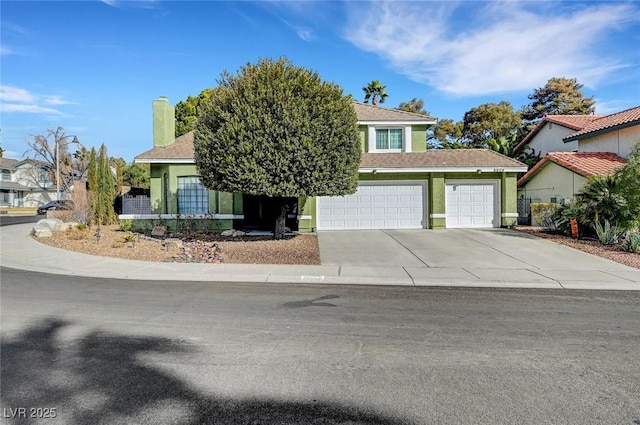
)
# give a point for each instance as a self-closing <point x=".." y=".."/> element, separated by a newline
<point x="229" y="232"/>
<point x="159" y="231"/>
<point x="238" y="233"/>
<point x="42" y="232"/>
<point x="51" y="223"/>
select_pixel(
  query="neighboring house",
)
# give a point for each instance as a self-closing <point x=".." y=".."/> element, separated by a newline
<point x="547" y="135"/>
<point x="560" y="175"/>
<point x="402" y="184"/>
<point x="25" y="183"/>
<point x="615" y="133"/>
<point x="599" y="147"/>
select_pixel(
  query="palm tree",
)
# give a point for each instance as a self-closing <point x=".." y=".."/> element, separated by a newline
<point x="373" y="91"/>
<point x="600" y="200"/>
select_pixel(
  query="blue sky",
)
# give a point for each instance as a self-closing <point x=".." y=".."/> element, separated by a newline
<point x="94" y="67"/>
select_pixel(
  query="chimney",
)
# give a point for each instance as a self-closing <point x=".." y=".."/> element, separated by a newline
<point x="164" y="123"/>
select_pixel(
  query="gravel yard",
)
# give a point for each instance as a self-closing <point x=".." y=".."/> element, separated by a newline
<point x="294" y="249"/>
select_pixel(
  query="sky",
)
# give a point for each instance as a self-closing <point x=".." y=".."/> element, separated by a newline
<point x="94" y="67"/>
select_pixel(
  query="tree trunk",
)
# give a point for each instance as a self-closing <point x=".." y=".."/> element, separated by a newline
<point x="281" y="217"/>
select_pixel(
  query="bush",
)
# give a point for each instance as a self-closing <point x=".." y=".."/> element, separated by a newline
<point x="631" y="242"/>
<point x="126" y="225"/>
<point x="543" y="212"/>
<point x="562" y="218"/>
<point x="608" y="235"/>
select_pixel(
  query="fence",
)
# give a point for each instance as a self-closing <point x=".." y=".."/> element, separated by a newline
<point x="140" y="204"/>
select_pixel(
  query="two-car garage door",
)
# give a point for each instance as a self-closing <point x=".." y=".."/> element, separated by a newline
<point x="388" y="205"/>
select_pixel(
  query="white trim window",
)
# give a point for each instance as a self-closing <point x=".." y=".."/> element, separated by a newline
<point x="389" y="139"/>
<point x="193" y="197"/>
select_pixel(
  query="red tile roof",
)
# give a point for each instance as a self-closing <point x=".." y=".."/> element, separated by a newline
<point x="573" y="122"/>
<point x="584" y="163"/>
<point x="623" y="118"/>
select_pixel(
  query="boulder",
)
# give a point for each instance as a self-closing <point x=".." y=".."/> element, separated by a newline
<point x="41" y="232"/>
<point x="238" y="233"/>
<point x="159" y="231"/>
<point x="51" y="223"/>
<point x="229" y="232"/>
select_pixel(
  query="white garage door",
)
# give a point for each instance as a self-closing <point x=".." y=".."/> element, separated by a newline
<point x="471" y="205"/>
<point x="373" y="206"/>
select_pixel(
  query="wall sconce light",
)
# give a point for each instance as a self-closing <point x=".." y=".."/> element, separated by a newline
<point x="479" y="171"/>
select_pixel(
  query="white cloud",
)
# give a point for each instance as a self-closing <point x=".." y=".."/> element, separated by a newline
<point x="16" y="99"/>
<point x="502" y="47"/>
<point x="303" y="32"/>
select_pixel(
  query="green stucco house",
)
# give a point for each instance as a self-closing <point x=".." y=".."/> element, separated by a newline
<point x="402" y="184"/>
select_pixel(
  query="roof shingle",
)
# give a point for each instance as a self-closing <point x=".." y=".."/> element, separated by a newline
<point x="368" y="113"/>
<point x="586" y="164"/>
<point x="440" y="158"/>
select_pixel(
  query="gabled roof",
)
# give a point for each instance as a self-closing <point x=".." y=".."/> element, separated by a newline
<point x="586" y="164"/>
<point x="367" y="113"/>
<point x="572" y="122"/>
<point x="441" y="159"/>
<point x="8" y="162"/>
<point x="179" y="151"/>
<point x="622" y="119"/>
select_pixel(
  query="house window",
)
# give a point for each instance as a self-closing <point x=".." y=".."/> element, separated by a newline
<point x="6" y="175"/>
<point x="193" y="197"/>
<point x="43" y="176"/>
<point x="389" y="139"/>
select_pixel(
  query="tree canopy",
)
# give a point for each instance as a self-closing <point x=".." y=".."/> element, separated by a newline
<point x="415" y="105"/>
<point x="277" y="130"/>
<point x="490" y="121"/>
<point x="186" y="111"/>
<point x="375" y="91"/>
<point x="559" y="96"/>
<point x="446" y="134"/>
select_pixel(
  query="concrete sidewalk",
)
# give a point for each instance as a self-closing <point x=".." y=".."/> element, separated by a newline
<point x="18" y="250"/>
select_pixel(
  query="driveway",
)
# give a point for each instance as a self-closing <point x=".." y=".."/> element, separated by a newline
<point x="453" y="248"/>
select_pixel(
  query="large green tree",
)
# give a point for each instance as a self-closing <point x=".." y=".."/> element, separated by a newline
<point x="415" y="105"/>
<point x="629" y="182"/>
<point x="446" y="134"/>
<point x="490" y="121"/>
<point x="375" y="91"/>
<point x="277" y="130"/>
<point x="559" y="96"/>
<point x="187" y="111"/>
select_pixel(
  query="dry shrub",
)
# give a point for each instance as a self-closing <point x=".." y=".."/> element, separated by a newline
<point x="76" y="234"/>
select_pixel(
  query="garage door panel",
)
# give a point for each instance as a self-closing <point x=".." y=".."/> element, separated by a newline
<point x="470" y="205"/>
<point x="374" y="206"/>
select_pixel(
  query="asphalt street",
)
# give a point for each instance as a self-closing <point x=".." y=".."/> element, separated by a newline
<point x="106" y="351"/>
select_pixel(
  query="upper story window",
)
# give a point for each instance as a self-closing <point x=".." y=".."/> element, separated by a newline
<point x="6" y="175"/>
<point x="193" y="197"/>
<point x="389" y="139"/>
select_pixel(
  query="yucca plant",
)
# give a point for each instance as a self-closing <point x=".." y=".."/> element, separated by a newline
<point x="608" y="235"/>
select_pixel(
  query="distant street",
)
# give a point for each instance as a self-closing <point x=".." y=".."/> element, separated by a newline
<point x="104" y="351"/>
<point x="6" y="220"/>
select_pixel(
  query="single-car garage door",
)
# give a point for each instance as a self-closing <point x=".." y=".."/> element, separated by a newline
<point x="374" y="206"/>
<point x="471" y="205"/>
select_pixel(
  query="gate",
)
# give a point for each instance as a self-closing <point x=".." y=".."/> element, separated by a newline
<point x="524" y="211"/>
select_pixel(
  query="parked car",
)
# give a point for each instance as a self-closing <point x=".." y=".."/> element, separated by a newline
<point x="55" y="205"/>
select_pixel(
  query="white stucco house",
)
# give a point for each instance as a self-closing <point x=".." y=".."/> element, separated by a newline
<point x="25" y="183"/>
<point x="599" y="147"/>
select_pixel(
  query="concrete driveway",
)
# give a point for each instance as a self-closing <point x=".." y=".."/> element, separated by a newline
<point x="454" y="248"/>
